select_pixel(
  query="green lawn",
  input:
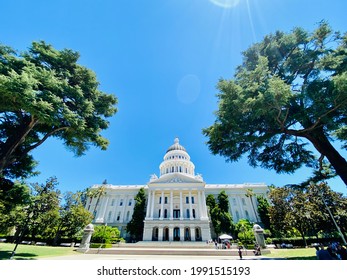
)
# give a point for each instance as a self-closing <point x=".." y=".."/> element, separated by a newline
<point x="293" y="254"/>
<point x="31" y="252"/>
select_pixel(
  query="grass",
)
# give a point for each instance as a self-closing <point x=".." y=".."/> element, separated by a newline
<point x="293" y="254"/>
<point x="32" y="252"/>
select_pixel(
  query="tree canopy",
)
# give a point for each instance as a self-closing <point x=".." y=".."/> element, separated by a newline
<point x="136" y="225"/>
<point x="46" y="93"/>
<point x="289" y="92"/>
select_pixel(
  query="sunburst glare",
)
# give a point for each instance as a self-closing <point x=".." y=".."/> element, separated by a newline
<point x="225" y="3"/>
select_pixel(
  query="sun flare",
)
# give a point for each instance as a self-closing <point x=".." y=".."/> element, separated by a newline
<point x="226" y="3"/>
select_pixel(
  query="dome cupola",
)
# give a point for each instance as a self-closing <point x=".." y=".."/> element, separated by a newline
<point x="177" y="160"/>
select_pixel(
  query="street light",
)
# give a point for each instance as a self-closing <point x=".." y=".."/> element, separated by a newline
<point x="24" y="228"/>
<point x="332" y="217"/>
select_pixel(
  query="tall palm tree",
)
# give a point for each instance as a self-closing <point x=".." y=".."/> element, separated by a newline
<point x="97" y="193"/>
<point x="250" y="194"/>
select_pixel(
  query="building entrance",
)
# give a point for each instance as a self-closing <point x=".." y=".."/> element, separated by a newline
<point x="176" y="233"/>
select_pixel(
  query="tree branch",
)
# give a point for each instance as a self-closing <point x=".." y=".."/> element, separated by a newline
<point x="44" y="139"/>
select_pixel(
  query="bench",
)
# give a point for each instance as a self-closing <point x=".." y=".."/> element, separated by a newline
<point x="65" y="244"/>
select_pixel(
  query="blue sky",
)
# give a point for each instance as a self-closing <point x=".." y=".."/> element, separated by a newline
<point x="162" y="59"/>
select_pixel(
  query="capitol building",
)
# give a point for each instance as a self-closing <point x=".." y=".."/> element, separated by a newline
<point x="176" y="201"/>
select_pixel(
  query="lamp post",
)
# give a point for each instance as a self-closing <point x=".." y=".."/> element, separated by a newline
<point x="332" y="217"/>
<point x="22" y="233"/>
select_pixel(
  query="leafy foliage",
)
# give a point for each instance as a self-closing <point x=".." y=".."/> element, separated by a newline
<point x="136" y="225"/>
<point x="263" y="210"/>
<point x="305" y="210"/>
<point x="289" y="91"/>
<point x="106" y="234"/>
<point x="46" y="93"/>
<point x="219" y="212"/>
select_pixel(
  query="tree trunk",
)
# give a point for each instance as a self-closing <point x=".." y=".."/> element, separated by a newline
<point x="322" y="144"/>
<point x="9" y="147"/>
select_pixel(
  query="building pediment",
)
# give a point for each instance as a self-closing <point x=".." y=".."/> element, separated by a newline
<point x="176" y="178"/>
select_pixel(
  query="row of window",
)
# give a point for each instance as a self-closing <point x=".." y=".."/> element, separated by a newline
<point x="177" y="157"/>
<point x="176" y="169"/>
<point x="166" y="199"/>
<point x="176" y="214"/>
<point x="130" y="202"/>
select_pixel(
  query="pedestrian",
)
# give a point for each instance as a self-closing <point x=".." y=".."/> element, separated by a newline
<point x="240" y="252"/>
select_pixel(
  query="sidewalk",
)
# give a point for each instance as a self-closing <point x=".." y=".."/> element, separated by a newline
<point x="161" y="254"/>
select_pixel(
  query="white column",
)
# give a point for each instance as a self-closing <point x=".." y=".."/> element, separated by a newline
<point x="171" y="205"/>
<point x="200" y="215"/>
<point x="124" y="207"/>
<point x="101" y="214"/>
<point x="190" y="206"/>
<point x="242" y="214"/>
<point x="162" y="206"/>
<point x="192" y="233"/>
<point x="148" y="204"/>
<point x="181" y="207"/>
<point x="204" y="207"/>
<point x="170" y="233"/>
<point x="182" y="233"/>
<point x="160" y="233"/>
<point x="152" y="206"/>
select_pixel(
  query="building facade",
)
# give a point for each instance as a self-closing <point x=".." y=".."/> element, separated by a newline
<point x="176" y="201"/>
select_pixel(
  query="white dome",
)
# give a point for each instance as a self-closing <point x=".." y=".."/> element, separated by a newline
<point x="177" y="160"/>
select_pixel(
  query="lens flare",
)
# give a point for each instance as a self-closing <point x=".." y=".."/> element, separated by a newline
<point x="225" y="3"/>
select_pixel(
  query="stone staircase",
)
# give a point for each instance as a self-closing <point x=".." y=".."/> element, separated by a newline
<point x="171" y="248"/>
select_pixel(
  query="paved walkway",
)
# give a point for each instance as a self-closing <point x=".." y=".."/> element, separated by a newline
<point x="145" y="254"/>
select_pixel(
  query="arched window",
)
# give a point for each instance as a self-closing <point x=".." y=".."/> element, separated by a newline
<point x="109" y="216"/>
<point x="165" y="213"/>
<point x="188" y="213"/>
<point x="193" y="213"/>
<point x="118" y="216"/>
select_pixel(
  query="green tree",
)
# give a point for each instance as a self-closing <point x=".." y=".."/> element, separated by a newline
<point x="244" y="231"/>
<point x="225" y="219"/>
<point x="73" y="217"/>
<point x="136" y="225"/>
<point x="306" y="210"/>
<point x="263" y="210"/>
<point x="221" y="219"/>
<point x="278" y="210"/>
<point x="289" y="92"/>
<point x="13" y="197"/>
<point x="46" y="93"/>
<point x="106" y="234"/>
<point x="44" y="209"/>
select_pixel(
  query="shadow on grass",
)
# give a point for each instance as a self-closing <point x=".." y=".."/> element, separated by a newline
<point x="5" y="255"/>
<point x="302" y="258"/>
